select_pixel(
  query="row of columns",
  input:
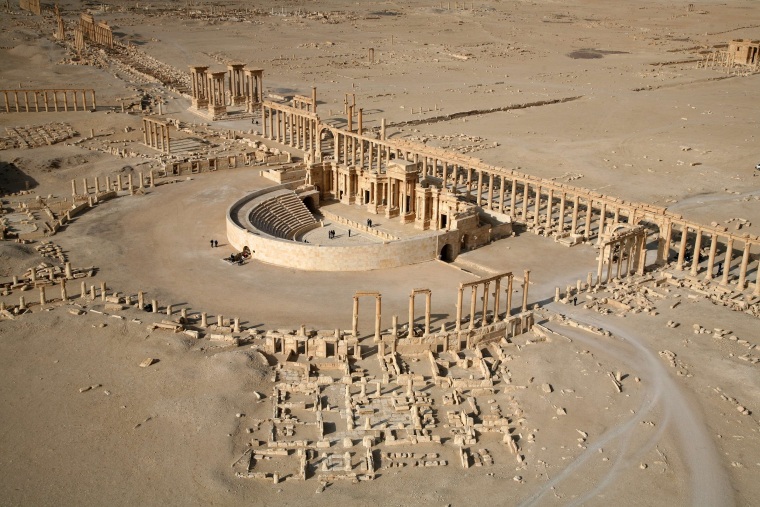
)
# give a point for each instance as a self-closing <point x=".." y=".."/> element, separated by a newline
<point x="156" y="135"/>
<point x="728" y="258"/>
<point x="118" y="184"/>
<point x="291" y="126"/>
<point x="485" y="284"/>
<point x="554" y="207"/>
<point x="47" y="100"/>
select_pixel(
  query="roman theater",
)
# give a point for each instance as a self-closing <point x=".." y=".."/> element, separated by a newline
<point x="406" y="253"/>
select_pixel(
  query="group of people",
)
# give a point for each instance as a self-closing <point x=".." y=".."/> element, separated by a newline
<point x="369" y="222"/>
<point x="214" y="243"/>
<point x="331" y="234"/>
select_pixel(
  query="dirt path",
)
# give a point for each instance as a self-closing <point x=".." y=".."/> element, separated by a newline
<point x="666" y="403"/>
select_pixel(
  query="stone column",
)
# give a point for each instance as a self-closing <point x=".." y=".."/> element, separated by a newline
<point x="623" y="249"/>
<point x="479" y="197"/>
<point x="602" y="221"/>
<point x="526" y="283"/>
<point x="501" y="194"/>
<point x="74" y="187"/>
<point x="711" y="259"/>
<point x="411" y="314"/>
<point x="459" y="308"/>
<point x="355" y="319"/>
<point x="428" y="304"/>
<point x="743" y="268"/>
<point x="513" y="198"/>
<point x="663" y="245"/>
<point x="497" y="289"/>
<point x="509" y="297"/>
<point x="473" y="305"/>
<point x="697" y="248"/>
<point x="630" y="267"/>
<point x="682" y="247"/>
<point x="378" y="312"/>
<point x="610" y="260"/>
<point x="727" y="260"/>
<point x="43" y="300"/>
<point x="537" y="205"/>
<point x="589" y="213"/>
<point x="484" y="320"/>
<point x="561" y="223"/>
<point x="600" y="265"/>
<point x="490" y="190"/>
<point x="549" y="206"/>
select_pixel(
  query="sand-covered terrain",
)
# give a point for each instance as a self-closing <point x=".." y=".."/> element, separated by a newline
<point x="657" y="405"/>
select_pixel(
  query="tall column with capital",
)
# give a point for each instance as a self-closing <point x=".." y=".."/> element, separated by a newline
<point x="513" y="198"/>
<point x="711" y="258"/>
<point x="741" y="283"/>
<point x="727" y="260"/>
<point x="549" y="209"/>
<point x="696" y="254"/>
<point x="561" y="222"/>
<point x="682" y="247"/>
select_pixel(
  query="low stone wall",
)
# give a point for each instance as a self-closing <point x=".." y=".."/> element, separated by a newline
<point x="309" y="257"/>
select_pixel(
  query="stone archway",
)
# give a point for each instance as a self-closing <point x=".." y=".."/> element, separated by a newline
<point x="311" y="204"/>
<point x="447" y="253"/>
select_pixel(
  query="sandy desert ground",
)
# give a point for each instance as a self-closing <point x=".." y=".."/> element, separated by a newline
<point x="631" y="116"/>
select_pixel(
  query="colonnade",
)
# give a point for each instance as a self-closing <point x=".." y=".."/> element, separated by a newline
<point x="485" y="284"/>
<point x="548" y="207"/>
<point x="156" y="135"/>
<point x="47" y="100"/>
<point x="118" y="183"/>
<point x="100" y="32"/>
<point x="288" y="125"/>
<point x="696" y="238"/>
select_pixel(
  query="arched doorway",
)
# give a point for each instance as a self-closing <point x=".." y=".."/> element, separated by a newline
<point x="310" y="203"/>
<point x="447" y="253"/>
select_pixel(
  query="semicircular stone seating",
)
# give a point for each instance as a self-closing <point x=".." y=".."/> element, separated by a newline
<point x="281" y="214"/>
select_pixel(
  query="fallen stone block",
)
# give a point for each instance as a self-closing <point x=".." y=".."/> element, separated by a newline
<point x="147" y="362"/>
